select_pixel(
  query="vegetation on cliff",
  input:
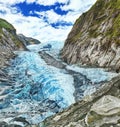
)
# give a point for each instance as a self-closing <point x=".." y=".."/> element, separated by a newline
<point x="8" y="31"/>
<point x="98" y="15"/>
<point x="8" y="42"/>
<point x="95" y="37"/>
<point x="6" y="25"/>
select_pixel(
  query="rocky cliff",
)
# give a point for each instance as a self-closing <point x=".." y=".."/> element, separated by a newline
<point x="28" y="40"/>
<point x="95" y="36"/>
<point x="9" y="42"/>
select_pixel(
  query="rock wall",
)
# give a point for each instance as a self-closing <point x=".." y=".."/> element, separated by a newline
<point x="9" y="42"/>
<point x="95" y="37"/>
<point x="28" y="40"/>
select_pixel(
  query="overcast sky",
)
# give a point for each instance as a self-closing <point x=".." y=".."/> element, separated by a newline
<point x="46" y="20"/>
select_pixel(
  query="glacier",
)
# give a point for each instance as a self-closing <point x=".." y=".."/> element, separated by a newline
<point x="36" y="82"/>
<point x="37" y="90"/>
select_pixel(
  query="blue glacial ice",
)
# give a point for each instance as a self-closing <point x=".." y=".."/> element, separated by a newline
<point x="39" y="90"/>
<point x="96" y="75"/>
<point x="53" y="51"/>
<point x="36" y="83"/>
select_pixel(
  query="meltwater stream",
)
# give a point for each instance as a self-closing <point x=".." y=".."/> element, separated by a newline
<point x="36" y="90"/>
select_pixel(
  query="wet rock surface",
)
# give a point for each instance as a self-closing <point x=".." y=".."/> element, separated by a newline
<point x="105" y="111"/>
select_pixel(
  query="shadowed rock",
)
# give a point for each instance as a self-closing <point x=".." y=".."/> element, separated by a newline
<point x="28" y="40"/>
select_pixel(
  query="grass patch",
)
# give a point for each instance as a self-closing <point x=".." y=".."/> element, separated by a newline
<point x="6" y="25"/>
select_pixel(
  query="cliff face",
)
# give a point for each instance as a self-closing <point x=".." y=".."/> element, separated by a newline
<point x="28" y="40"/>
<point x="9" y="42"/>
<point x="95" y="36"/>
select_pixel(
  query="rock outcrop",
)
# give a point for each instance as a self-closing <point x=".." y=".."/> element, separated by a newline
<point x="9" y="42"/>
<point x="95" y="37"/>
<point x="28" y="40"/>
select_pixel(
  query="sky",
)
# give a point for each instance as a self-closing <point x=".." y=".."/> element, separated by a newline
<point x="45" y="20"/>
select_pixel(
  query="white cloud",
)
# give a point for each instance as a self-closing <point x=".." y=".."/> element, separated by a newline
<point x="52" y="34"/>
<point x="51" y="2"/>
<point x="30" y="1"/>
<point x="37" y="27"/>
<point x="77" y="5"/>
<point x="11" y="2"/>
<point x="42" y="2"/>
<point x="51" y="16"/>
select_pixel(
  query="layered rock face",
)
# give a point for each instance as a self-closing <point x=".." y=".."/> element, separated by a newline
<point x="9" y="42"/>
<point x="95" y="37"/>
<point x="28" y="40"/>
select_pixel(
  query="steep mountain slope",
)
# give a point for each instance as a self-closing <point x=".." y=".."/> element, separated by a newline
<point x="95" y="36"/>
<point x="8" y="42"/>
<point x="28" y="40"/>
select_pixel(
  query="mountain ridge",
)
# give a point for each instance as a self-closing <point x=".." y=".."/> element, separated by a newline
<point x="8" y="42"/>
<point x="95" y="39"/>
